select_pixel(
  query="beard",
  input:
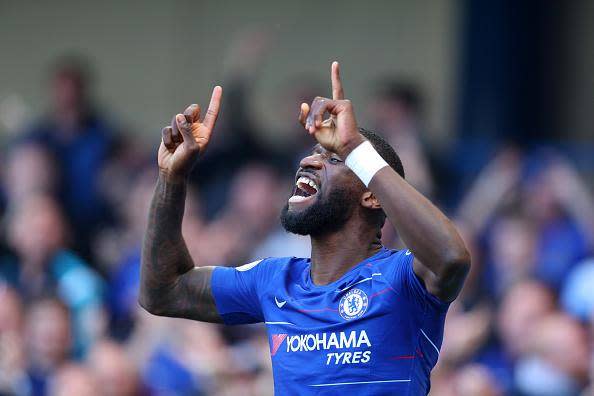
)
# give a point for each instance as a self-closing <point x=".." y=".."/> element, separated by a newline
<point x="326" y="215"/>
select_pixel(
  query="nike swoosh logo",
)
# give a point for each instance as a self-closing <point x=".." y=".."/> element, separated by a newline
<point x="407" y="252"/>
<point x="279" y="304"/>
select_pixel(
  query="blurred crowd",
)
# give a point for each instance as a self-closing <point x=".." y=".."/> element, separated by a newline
<point x="75" y="192"/>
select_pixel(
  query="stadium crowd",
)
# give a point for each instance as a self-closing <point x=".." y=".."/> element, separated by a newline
<point x="75" y="195"/>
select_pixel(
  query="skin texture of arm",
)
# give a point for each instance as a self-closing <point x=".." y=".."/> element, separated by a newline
<point x="170" y="284"/>
<point x="441" y="258"/>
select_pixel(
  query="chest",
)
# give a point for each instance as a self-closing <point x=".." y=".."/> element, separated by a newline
<point x="364" y="327"/>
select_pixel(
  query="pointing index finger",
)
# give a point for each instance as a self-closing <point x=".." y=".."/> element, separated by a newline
<point x="337" y="92"/>
<point x="213" y="108"/>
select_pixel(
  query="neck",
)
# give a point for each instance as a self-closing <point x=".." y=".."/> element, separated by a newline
<point x="334" y="254"/>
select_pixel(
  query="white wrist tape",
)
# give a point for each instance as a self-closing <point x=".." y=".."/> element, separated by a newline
<point x="365" y="162"/>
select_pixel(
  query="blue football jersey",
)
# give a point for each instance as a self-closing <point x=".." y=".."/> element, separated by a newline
<point x="374" y="331"/>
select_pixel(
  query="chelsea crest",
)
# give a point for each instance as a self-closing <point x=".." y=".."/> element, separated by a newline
<point x="353" y="304"/>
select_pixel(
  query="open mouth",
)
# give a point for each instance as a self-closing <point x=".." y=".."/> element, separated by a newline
<point x="305" y="188"/>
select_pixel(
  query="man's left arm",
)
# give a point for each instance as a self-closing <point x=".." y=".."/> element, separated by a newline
<point x="441" y="258"/>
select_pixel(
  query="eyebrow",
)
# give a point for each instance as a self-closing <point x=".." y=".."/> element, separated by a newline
<point x="319" y="149"/>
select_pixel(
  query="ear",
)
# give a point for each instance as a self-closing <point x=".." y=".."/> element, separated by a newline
<point x="369" y="200"/>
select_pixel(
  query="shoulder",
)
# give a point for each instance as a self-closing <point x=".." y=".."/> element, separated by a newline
<point x="394" y="257"/>
<point x="393" y="264"/>
<point x="397" y="268"/>
<point x="258" y="275"/>
<point x="268" y="272"/>
<point x="272" y="265"/>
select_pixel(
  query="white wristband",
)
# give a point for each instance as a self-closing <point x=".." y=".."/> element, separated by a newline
<point x="365" y="162"/>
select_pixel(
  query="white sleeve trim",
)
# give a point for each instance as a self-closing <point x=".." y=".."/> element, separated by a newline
<point x="248" y="266"/>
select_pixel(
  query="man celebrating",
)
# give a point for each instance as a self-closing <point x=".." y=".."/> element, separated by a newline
<point x="356" y="317"/>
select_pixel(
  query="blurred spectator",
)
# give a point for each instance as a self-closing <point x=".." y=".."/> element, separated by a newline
<point x="397" y="115"/>
<point x="563" y="210"/>
<point x="492" y="189"/>
<point x="80" y="141"/>
<point x="282" y="244"/>
<point x="30" y="169"/>
<point x="114" y="370"/>
<point x="512" y="247"/>
<point x="536" y="214"/>
<point x="42" y="265"/>
<point x="128" y="168"/>
<point x="291" y="141"/>
<point x="475" y="380"/>
<point x="254" y="206"/>
<point x="48" y="341"/>
<point x="123" y="243"/>
<point x="237" y="141"/>
<point x="189" y="358"/>
<point x="523" y="305"/>
<point x="466" y="333"/>
<point x="522" y="326"/>
<point x="467" y="380"/>
<point x="557" y="358"/>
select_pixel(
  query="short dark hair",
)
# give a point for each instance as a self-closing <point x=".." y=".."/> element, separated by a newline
<point x="384" y="149"/>
<point x="389" y="155"/>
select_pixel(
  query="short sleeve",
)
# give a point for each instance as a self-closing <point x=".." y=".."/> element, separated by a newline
<point x="403" y="279"/>
<point x="236" y="292"/>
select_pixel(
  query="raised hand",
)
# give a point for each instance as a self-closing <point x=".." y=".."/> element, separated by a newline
<point x="187" y="137"/>
<point x="339" y="133"/>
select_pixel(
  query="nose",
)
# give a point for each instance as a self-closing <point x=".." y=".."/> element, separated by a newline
<point x="311" y="161"/>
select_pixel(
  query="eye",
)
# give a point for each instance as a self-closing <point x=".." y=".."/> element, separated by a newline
<point x="334" y="160"/>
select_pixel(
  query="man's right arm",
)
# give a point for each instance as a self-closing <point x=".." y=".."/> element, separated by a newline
<point x="170" y="283"/>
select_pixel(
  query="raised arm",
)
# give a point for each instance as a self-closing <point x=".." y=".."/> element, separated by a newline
<point x="441" y="258"/>
<point x="170" y="283"/>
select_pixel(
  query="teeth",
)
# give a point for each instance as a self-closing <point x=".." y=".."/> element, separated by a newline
<point x="308" y="181"/>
